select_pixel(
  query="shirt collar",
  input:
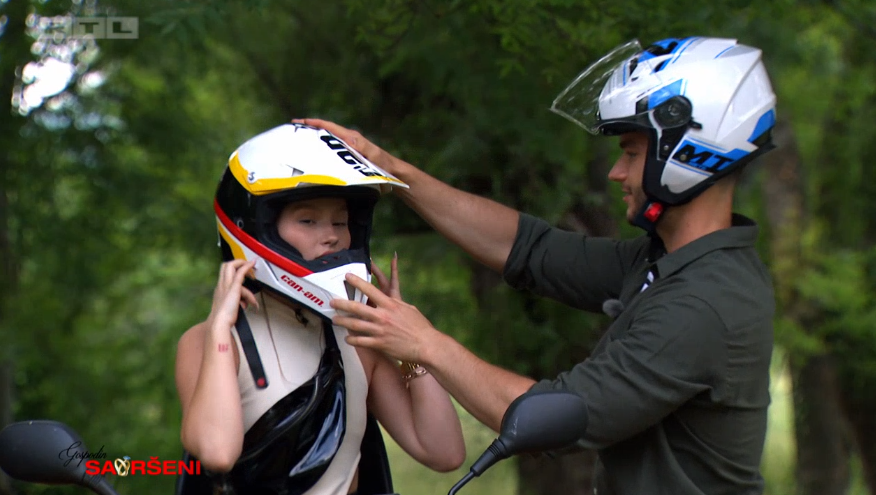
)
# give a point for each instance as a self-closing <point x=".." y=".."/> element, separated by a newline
<point x="742" y="233"/>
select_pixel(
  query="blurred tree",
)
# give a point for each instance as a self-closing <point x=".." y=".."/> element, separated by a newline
<point x="824" y="273"/>
<point x="109" y="224"/>
<point x="14" y="53"/>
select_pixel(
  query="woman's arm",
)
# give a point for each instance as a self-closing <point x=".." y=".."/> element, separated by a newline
<point x="421" y="418"/>
<point x="206" y="376"/>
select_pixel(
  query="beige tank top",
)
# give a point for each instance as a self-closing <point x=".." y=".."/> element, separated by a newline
<point x="290" y="354"/>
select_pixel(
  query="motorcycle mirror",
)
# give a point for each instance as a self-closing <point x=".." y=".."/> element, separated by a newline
<point x="534" y="422"/>
<point x="540" y="421"/>
<point x="46" y="452"/>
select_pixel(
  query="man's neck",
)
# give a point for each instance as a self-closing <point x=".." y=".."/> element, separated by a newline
<point x="686" y="223"/>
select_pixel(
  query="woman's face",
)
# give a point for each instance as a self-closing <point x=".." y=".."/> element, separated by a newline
<point x="315" y="227"/>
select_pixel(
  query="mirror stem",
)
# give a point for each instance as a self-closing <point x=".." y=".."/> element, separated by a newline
<point x="494" y="453"/>
<point x="99" y="484"/>
<point x="465" y="479"/>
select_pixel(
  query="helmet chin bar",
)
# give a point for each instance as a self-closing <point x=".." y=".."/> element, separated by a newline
<point x="661" y="142"/>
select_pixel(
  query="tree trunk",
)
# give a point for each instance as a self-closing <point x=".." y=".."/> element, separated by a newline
<point x="861" y="411"/>
<point x="14" y="46"/>
<point x="823" y="443"/>
<point x="823" y="449"/>
<point x="6" y="391"/>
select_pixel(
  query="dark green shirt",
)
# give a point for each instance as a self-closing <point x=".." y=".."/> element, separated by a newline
<point x="678" y="387"/>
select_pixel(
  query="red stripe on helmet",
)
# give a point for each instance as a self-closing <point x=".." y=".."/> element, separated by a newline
<point x="257" y="247"/>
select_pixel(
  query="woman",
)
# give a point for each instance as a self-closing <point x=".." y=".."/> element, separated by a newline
<point x="274" y="400"/>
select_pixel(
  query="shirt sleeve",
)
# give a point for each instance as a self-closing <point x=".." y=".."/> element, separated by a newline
<point x="673" y="351"/>
<point x="570" y="267"/>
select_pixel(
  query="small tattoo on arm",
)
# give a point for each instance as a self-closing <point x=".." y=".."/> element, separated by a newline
<point x="223" y="347"/>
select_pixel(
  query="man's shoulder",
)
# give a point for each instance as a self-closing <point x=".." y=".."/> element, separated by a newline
<point x="633" y="252"/>
<point x="728" y="272"/>
<point x="734" y="284"/>
<point x="675" y="304"/>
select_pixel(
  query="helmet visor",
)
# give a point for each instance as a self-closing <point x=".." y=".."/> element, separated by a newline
<point x="579" y="102"/>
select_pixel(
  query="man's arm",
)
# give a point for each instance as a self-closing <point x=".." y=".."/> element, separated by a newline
<point x="398" y="329"/>
<point x="573" y="268"/>
<point x="482" y="227"/>
<point x="484" y="390"/>
<point x="673" y="351"/>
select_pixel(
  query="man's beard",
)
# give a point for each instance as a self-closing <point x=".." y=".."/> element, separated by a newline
<point x="636" y="204"/>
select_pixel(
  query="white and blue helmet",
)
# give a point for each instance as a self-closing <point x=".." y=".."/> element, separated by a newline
<point x="707" y="104"/>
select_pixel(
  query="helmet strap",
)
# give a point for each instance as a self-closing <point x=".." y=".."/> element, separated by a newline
<point x="247" y="341"/>
<point x="648" y="216"/>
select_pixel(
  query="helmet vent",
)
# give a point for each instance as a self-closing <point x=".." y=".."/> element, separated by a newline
<point x="351" y="291"/>
<point x="633" y="64"/>
<point x="660" y="50"/>
<point x="295" y="172"/>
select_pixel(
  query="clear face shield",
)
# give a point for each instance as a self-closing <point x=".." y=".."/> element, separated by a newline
<point x="601" y="81"/>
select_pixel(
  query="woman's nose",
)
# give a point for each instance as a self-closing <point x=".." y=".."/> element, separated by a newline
<point x="330" y="236"/>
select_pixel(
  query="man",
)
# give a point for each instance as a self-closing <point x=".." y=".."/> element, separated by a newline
<point x="678" y="387"/>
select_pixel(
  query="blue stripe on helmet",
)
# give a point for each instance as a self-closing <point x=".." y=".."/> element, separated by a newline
<point x="706" y="157"/>
<point x="668" y="41"/>
<point x="665" y="93"/>
<point x="765" y="123"/>
<point x="681" y="48"/>
<point x="722" y="52"/>
<point x="681" y="45"/>
<point x="646" y="55"/>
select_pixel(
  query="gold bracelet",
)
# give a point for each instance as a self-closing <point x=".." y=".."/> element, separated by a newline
<point x="411" y="371"/>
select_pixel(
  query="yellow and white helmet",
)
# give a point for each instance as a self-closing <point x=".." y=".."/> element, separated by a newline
<point x="289" y="163"/>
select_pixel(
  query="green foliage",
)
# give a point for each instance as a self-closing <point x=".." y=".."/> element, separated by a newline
<point x="841" y="286"/>
<point x="411" y="477"/>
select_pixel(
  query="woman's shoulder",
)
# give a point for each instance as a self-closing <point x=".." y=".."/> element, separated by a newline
<point x="369" y="360"/>
<point x="192" y="340"/>
<point x="195" y="331"/>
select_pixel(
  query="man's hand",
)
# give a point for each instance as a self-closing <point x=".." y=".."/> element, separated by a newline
<point x="392" y="326"/>
<point x="369" y="150"/>
<point x="484" y="228"/>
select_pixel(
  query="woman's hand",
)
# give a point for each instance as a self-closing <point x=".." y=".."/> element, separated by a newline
<point x="230" y="294"/>
<point x="389" y="286"/>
